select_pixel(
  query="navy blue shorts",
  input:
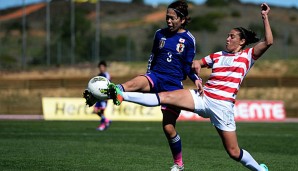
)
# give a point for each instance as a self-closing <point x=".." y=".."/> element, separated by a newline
<point x="101" y="105"/>
<point x="161" y="83"/>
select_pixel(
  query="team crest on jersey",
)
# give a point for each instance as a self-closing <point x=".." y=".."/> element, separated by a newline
<point x="180" y="47"/>
<point x="162" y="42"/>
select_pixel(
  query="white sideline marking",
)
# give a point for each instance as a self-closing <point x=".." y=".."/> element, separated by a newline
<point x="21" y="117"/>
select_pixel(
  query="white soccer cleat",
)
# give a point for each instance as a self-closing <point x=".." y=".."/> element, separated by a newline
<point x="176" y="167"/>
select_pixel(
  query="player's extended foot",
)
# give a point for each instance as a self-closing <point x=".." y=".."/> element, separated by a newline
<point x="176" y="167"/>
<point x="115" y="93"/>
<point x="264" y="166"/>
<point x="90" y="100"/>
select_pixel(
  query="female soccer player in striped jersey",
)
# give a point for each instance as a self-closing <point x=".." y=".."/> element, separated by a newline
<point x="216" y="99"/>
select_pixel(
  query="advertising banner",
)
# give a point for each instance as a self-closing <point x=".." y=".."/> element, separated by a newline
<point x="259" y="110"/>
<point x="76" y="109"/>
<point x="55" y="108"/>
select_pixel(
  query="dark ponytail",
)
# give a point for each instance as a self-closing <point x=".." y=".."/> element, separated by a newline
<point x="249" y="36"/>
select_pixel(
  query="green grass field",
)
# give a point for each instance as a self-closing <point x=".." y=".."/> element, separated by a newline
<point x="139" y="146"/>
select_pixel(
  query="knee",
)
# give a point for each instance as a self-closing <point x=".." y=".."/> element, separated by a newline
<point x="166" y="97"/>
<point x="234" y="153"/>
<point x="169" y="130"/>
<point x="163" y="96"/>
<point x="129" y="85"/>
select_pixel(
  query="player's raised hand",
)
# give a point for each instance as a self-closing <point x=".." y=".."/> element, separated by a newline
<point x="265" y="9"/>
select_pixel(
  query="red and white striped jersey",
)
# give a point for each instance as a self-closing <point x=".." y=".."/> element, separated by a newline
<point x="228" y="72"/>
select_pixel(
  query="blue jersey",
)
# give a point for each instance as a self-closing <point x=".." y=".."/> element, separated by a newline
<point x="103" y="104"/>
<point x="172" y="55"/>
<point x="105" y="74"/>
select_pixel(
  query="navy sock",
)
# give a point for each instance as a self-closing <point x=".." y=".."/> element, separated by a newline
<point x="176" y="149"/>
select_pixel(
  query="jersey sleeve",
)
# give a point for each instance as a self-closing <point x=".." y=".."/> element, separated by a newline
<point x="250" y="51"/>
<point x="151" y="60"/>
<point x="190" y="54"/>
<point x="209" y="60"/>
<point x="252" y="59"/>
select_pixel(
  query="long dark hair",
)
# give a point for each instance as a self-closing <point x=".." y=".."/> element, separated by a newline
<point x="181" y="9"/>
<point x="249" y="36"/>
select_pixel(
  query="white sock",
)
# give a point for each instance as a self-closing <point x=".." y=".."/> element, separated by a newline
<point x="248" y="161"/>
<point x="145" y="99"/>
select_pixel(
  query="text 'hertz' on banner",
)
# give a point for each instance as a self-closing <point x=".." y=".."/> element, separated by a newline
<point x="55" y="108"/>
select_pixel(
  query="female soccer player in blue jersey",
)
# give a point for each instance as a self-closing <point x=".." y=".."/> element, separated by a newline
<point x="216" y="100"/>
<point x="169" y="64"/>
<point x="100" y="106"/>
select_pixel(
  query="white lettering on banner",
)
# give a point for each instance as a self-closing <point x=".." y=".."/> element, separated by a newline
<point x="267" y="108"/>
<point x="58" y="108"/>
<point x="62" y="108"/>
<point x="241" y="111"/>
<point x="133" y="112"/>
<point x="249" y="111"/>
<point x="259" y="110"/>
<point x="255" y="111"/>
<point x="129" y="110"/>
<point x="278" y="111"/>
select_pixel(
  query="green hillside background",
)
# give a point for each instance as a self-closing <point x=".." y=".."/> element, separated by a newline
<point x="126" y="31"/>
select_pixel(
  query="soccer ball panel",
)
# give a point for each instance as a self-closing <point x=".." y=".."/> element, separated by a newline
<point x="98" y="86"/>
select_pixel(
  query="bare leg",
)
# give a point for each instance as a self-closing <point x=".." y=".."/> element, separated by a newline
<point x="180" y="98"/>
<point x="138" y="84"/>
<point x="229" y="140"/>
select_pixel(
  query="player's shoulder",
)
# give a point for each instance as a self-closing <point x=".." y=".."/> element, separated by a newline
<point x="188" y="33"/>
<point x="160" y="31"/>
<point x="218" y="54"/>
<point x="248" y="50"/>
<point x="189" y="36"/>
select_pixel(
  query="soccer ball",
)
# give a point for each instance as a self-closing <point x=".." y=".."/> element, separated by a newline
<point x="98" y="87"/>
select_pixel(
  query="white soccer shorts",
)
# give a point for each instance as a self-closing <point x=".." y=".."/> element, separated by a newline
<point x="220" y="112"/>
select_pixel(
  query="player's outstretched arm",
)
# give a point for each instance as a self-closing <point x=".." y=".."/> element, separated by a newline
<point x="262" y="46"/>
